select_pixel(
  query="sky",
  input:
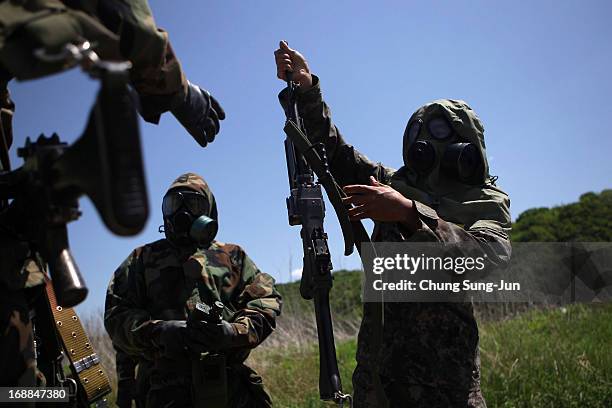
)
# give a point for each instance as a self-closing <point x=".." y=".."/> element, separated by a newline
<point x="537" y="74"/>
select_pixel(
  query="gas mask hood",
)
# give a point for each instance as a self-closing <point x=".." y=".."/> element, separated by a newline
<point x="446" y="168"/>
<point x="444" y="142"/>
<point x="190" y="212"/>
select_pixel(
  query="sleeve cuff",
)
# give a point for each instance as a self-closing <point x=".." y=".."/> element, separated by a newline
<point x="306" y="98"/>
<point x="426" y="213"/>
<point x="429" y="219"/>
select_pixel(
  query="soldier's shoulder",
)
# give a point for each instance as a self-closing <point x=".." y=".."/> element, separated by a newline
<point x="156" y="250"/>
<point x="227" y="254"/>
<point x="159" y="245"/>
<point x="227" y="247"/>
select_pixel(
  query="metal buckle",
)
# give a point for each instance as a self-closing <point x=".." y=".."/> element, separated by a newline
<point x="86" y="362"/>
<point x="83" y="55"/>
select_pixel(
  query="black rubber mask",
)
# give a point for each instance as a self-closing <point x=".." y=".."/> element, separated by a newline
<point x="185" y="219"/>
<point x="437" y="144"/>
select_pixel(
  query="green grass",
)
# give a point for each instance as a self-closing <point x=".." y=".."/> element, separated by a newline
<point x="292" y="377"/>
<point x="345" y="297"/>
<point x="545" y="358"/>
<point x="557" y="358"/>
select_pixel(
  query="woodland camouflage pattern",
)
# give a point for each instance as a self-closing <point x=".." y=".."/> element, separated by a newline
<point x="419" y="354"/>
<point x="157" y="283"/>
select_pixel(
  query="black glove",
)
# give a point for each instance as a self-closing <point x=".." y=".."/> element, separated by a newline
<point x="173" y="338"/>
<point x="199" y="113"/>
<point x="170" y="337"/>
<point x="213" y="336"/>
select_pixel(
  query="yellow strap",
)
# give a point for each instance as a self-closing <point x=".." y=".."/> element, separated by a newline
<point x="83" y="359"/>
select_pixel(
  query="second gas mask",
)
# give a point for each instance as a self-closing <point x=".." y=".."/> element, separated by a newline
<point x="434" y="142"/>
<point x="185" y="218"/>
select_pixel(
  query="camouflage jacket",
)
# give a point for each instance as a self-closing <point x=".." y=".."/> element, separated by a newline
<point x="153" y="284"/>
<point x="430" y="344"/>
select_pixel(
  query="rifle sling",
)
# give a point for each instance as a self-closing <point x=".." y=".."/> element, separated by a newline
<point x="353" y="231"/>
<point x="80" y="353"/>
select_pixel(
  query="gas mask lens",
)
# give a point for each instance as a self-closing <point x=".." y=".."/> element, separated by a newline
<point x="439" y="129"/>
<point x="414" y="130"/>
<point x="194" y="202"/>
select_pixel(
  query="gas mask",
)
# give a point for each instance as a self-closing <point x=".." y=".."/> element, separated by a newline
<point x="434" y="143"/>
<point x="185" y="219"/>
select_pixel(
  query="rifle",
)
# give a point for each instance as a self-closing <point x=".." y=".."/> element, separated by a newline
<point x="105" y="163"/>
<point x="208" y="370"/>
<point x="306" y="207"/>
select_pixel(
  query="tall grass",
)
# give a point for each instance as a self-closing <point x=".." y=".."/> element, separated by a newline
<point x="544" y="357"/>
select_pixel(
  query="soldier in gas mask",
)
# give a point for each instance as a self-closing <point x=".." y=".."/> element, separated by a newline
<point x="155" y="291"/>
<point x="424" y="354"/>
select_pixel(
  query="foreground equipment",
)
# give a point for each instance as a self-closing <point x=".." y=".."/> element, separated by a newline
<point x="88" y="383"/>
<point x="40" y="198"/>
<point x="306" y="207"/>
<point x="105" y="163"/>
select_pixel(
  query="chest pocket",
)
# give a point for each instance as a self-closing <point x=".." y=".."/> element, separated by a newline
<point x="211" y="277"/>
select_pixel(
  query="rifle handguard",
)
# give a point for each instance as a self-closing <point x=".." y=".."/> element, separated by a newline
<point x="334" y="192"/>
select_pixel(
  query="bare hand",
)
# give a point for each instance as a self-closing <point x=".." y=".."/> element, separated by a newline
<point x="381" y="202"/>
<point x="292" y="61"/>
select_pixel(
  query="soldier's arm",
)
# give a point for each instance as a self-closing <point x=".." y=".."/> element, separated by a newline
<point x="418" y="222"/>
<point x="259" y="303"/>
<point x="488" y="236"/>
<point x="125" y="319"/>
<point x="347" y="164"/>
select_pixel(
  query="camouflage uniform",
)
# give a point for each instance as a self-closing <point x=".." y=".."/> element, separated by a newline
<point x="158" y="282"/>
<point x="132" y="380"/>
<point x="418" y="354"/>
<point x="21" y="275"/>
<point x="21" y="281"/>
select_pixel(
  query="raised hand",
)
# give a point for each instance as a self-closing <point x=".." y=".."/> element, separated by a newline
<point x="292" y="61"/>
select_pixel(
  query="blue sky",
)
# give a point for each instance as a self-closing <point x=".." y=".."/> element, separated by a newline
<point x="537" y="73"/>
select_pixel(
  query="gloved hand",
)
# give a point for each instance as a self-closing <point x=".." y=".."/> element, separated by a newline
<point x="213" y="336"/>
<point x="199" y="113"/>
<point x="174" y="338"/>
<point x="169" y="336"/>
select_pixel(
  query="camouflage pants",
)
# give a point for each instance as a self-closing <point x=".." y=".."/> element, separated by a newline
<point x="132" y="380"/>
<point x="426" y="356"/>
<point x="245" y="390"/>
